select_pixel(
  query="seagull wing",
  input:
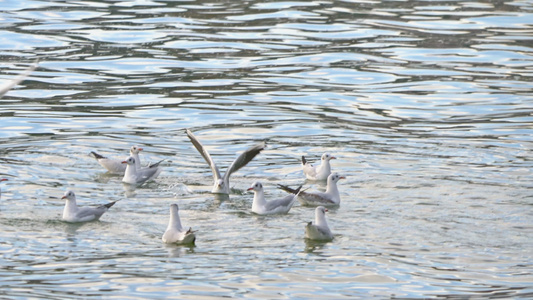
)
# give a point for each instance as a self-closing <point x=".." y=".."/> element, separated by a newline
<point x="316" y="198"/>
<point x="243" y="159"/>
<point x="85" y="214"/>
<point x="280" y="204"/>
<point x="9" y="85"/>
<point x="147" y="173"/>
<point x="156" y="164"/>
<point x="205" y="154"/>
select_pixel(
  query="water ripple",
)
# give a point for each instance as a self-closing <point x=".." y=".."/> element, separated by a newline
<point x="426" y="105"/>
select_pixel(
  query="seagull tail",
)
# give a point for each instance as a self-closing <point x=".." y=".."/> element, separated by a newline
<point x="156" y="164"/>
<point x="288" y="189"/>
<point x="96" y="155"/>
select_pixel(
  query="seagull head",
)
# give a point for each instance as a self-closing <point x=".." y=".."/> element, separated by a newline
<point x="256" y="186"/>
<point x="130" y="161"/>
<point x="334" y="177"/>
<point x="321" y="210"/>
<point x="327" y="157"/>
<point x="174" y="208"/>
<point x="220" y="184"/>
<point x="69" y="195"/>
<point x="135" y="149"/>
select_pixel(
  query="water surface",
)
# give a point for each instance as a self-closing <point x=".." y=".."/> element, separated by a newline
<point x="426" y="104"/>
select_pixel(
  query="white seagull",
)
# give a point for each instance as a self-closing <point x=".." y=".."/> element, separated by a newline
<point x="278" y="206"/>
<point x="320" y="172"/>
<point x="3" y="179"/>
<point x="319" y="231"/>
<point x="221" y="185"/>
<point x="4" y="88"/>
<point x="329" y="198"/>
<point x="141" y="175"/>
<point x="115" y="165"/>
<point x="175" y="233"/>
<point x="74" y="214"/>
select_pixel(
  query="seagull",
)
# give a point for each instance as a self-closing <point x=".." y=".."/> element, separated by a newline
<point x="221" y="184"/>
<point x="175" y="233"/>
<point x="4" y="88"/>
<point x="140" y="176"/>
<point x="320" y="172"/>
<point x="319" y="231"/>
<point x="3" y="179"/>
<point x="329" y="198"/>
<point x="74" y="214"/>
<point x="279" y="206"/>
<point x="115" y="165"/>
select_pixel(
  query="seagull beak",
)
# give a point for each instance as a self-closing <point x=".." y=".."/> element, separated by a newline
<point x="326" y="209"/>
<point x="140" y="149"/>
<point x="124" y="162"/>
<point x="333" y="157"/>
<point x="249" y="189"/>
<point x="342" y="177"/>
<point x="64" y="197"/>
<point x="3" y="179"/>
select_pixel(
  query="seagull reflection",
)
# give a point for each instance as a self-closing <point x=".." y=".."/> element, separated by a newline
<point x="314" y="247"/>
<point x="175" y="250"/>
<point x="129" y="190"/>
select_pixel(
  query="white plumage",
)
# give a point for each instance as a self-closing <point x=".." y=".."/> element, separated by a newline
<point x="221" y="183"/>
<point x="141" y="175"/>
<point x="72" y="213"/>
<point x="261" y="206"/>
<point x="330" y="197"/>
<point x="175" y="233"/>
<point x="319" y="229"/>
<point x="320" y="172"/>
<point x="116" y="166"/>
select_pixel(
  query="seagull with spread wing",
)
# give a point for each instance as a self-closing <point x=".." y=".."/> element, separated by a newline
<point x="221" y="184"/>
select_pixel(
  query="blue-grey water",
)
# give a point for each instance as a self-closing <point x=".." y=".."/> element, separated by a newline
<point x="427" y="105"/>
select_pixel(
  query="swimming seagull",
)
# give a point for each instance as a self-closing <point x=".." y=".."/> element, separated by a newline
<point x="74" y="214"/>
<point x="3" y="179"/>
<point x="175" y="233"/>
<point x="319" y="231"/>
<point x="329" y="198"/>
<point x="140" y="176"/>
<point x="221" y="184"/>
<point x="320" y="172"/>
<point x="4" y="88"/>
<point x="278" y="206"/>
<point x="115" y="165"/>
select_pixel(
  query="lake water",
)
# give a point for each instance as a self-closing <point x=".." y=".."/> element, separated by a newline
<point x="427" y="105"/>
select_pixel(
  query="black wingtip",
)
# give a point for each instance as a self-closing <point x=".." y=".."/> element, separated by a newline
<point x="156" y="164"/>
<point x="297" y="190"/>
<point x="96" y="155"/>
<point x="304" y="161"/>
<point x="288" y="189"/>
<point x="108" y="205"/>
